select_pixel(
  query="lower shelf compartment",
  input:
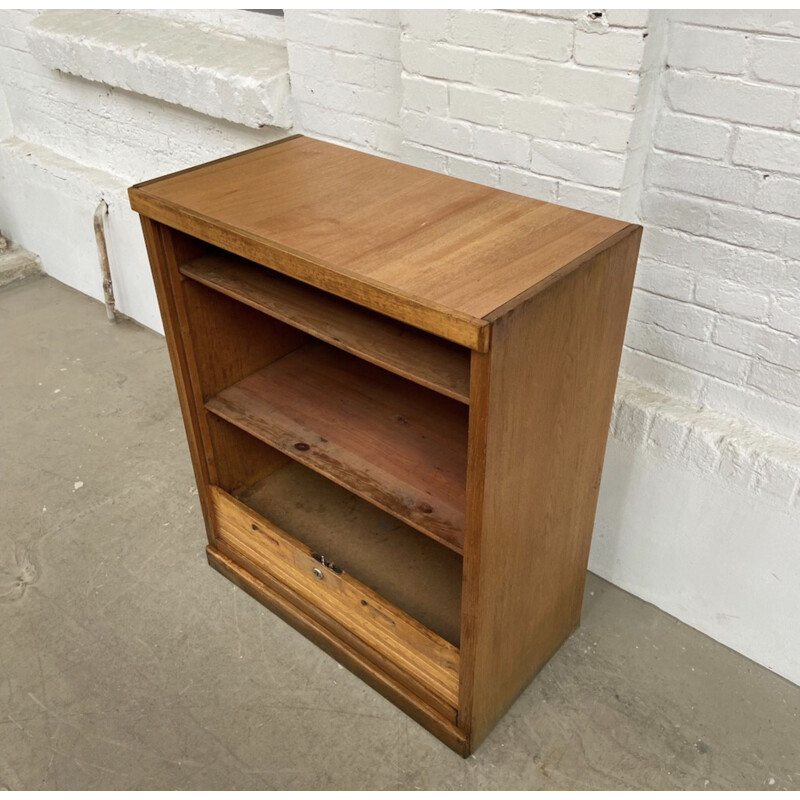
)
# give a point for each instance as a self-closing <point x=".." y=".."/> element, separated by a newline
<point x="398" y="445"/>
<point x="403" y="566"/>
<point x="339" y="529"/>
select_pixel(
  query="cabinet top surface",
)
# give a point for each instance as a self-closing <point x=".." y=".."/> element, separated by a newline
<point x="457" y="246"/>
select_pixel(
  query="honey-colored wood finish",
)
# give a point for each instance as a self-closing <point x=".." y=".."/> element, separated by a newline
<point x="426" y="657"/>
<point x="396" y="407"/>
<point x="349" y="655"/>
<point x="540" y="421"/>
<point x="425" y="578"/>
<point x="398" y="446"/>
<point x="163" y="252"/>
<point x="420" y="357"/>
<point x="434" y="251"/>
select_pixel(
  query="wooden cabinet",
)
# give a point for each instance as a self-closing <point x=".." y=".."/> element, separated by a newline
<point x="396" y="387"/>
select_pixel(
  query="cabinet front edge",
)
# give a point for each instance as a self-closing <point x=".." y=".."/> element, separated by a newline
<point x="471" y="332"/>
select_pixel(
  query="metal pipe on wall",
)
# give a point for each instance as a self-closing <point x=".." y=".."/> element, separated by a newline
<point x="100" y="213"/>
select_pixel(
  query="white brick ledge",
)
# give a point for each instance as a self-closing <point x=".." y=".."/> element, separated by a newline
<point x="228" y="76"/>
<point x="708" y="443"/>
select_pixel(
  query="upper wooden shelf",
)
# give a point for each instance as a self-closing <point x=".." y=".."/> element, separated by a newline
<point x="418" y="356"/>
<point x="439" y="253"/>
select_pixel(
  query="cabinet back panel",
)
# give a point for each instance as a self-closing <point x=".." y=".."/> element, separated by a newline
<point x="410" y="570"/>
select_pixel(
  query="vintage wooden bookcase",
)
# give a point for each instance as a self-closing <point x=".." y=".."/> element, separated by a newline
<point x="397" y="388"/>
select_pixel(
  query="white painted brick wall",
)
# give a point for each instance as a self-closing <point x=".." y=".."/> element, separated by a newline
<point x="785" y="314"/>
<point x="722" y="197"/>
<point x="777" y="60"/>
<point x="708" y="49"/>
<point x="768" y="150"/>
<point x="346" y="78"/>
<point x="557" y="88"/>
<point x="689" y="122"/>
<point x="126" y="135"/>
<point x="76" y="142"/>
<point x="741" y="101"/>
<point x="242" y="79"/>
<point x="609" y="48"/>
<point x="6" y="124"/>
<point x="692" y="136"/>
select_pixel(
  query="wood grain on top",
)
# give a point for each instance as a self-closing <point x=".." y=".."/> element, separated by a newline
<point x="422" y="245"/>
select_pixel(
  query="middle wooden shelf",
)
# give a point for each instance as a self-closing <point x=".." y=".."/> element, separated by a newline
<point x="390" y="441"/>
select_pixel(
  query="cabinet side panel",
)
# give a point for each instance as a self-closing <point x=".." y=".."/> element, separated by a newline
<point x="213" y="341"/>
<point x="240" y="460"/>
<point x="542" y="413"/>
<point x="161" y="256"/>
<point x="225" y="339"/>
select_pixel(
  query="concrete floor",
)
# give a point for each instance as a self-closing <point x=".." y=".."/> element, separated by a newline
<point x="127" y="663"/>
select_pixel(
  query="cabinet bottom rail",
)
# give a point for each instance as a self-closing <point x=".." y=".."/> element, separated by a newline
<point x="435" y="720"/>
